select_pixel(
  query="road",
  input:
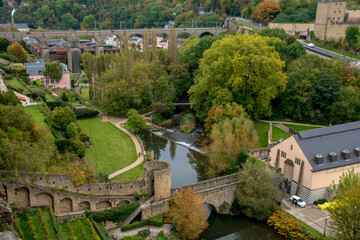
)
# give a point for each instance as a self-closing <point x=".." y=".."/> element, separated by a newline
<point x="252" y="23"/>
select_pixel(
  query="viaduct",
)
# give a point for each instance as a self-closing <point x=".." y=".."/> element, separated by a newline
<point x="58" y="191"/>
<point x="73" y="37"/>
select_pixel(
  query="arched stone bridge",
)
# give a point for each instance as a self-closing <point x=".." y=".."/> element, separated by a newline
<point x="73" y="37"/>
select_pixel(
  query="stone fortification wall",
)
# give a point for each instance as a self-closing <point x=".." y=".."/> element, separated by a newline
<point x="157" y="175"/>
<point x="154" y="209"/>
<point x="352" y="16"/>
<point x="235" y="27"/>
<point x="215" y="182"/>
<point x="65" y="182"/>
<point x="28" y="195"/>
<point x="293" y="27"/>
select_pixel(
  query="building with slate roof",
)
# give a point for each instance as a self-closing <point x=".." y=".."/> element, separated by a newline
<point x="36" y="72"/>
<point x="312" y="160"/>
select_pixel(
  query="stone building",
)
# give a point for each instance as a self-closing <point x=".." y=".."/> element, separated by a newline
<point x="312" y="160"/>
<point x="332" y="19"/>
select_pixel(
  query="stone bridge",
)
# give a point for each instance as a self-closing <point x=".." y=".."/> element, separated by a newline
<point x="73" y="37"/>
<point x="217" y="192"/>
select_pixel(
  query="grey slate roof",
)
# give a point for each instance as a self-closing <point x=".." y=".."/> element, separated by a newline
<point x="330" y="139"/>
<point x="18" y="25"/>
<point x="38" y="67"/>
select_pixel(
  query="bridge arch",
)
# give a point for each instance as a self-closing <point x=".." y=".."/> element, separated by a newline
<point x="206" y="34"/>
<point x="123" y="202"/>
<point x="43" y="199"/>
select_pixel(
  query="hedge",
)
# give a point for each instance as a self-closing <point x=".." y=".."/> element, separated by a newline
<point x="115" y="214"/>
<point x="156" y="221"/>
<point x="53" y="104"/>
<point x="100" y="229"/>
<point x="85" y="112"/>
<point x="38" y="83"/>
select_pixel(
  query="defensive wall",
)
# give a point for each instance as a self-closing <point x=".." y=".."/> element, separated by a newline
<point x="237" y="27"/>
<point x="294" y="27"/>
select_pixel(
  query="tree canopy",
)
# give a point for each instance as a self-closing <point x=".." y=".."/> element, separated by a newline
<point x="135" y="121"/>
<point x="242" y="69"/>
<point x="53" y="70"/>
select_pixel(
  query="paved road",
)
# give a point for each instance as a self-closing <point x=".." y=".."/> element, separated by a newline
<point x="252" y="23"/>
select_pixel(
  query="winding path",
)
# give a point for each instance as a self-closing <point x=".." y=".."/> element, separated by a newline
<point x="117" y="122"/>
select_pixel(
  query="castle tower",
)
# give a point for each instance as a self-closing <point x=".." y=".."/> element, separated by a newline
<point x="328" y="12"/>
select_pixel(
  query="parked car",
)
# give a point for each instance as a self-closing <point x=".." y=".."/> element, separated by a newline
<point x="311" y="45"/>
<point x="297" y="200"/>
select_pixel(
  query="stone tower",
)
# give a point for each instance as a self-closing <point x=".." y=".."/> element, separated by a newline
<point x="329" y="12"/>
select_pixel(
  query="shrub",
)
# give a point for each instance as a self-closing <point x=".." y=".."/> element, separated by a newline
<point x="38" y="83"/>
<point x="154" y="221"/>
<point x="289" y="227"/>
<point x="115" y="214"/>
<point x="31" y="226"/>
<point x="85" y="112"/>
<point x="17" y="227"/>
<point x="93" y="232"/>
<point x="53" y="104"/>
<point x="43" y="224"/>
<point x="100" y="229"/>
<point x="83" y="235"/>
<point x="84" y="137"/>
<point x="70" y="230"/>
<point x="187" y="123"/>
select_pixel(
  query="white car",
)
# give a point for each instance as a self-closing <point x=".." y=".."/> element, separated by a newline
<point x="297" y="200"/>
<point x="311" y="45"/>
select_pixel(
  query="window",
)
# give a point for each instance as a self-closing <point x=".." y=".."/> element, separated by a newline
<point x="283" y="154"/>
<point x="335" y="11"/>
<point x="57" y="81"/>
<point x="52" y="80"/>
<point x="291" y="147"/>
<point x="333" y="19"/>
<point x="47" y="80"/>
<point x="297" y="161"/>
<point x="339" y="11"/>
<point x="42" y="80"/>
<point x="338" y="18"/>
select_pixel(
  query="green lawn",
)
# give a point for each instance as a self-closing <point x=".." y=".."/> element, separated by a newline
<point x="85" y="93"/>
<point x="277" y="134"/>
<point x="245" y="24"/>
<point x="353" y="55"/>
<point x="262" y="129"/>
<point x="16" y="83"/>
<point x="299" y="128"/>
<point x="131" y="175"/>
<point x="36" y="114"/>
<point x="111" y="148"/>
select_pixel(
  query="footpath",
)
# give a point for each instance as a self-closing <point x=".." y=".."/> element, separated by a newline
<point x="154" y="231"/>
<point x="117" y="122"/>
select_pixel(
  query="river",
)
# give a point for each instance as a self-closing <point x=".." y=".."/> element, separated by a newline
<point x="188" y="166"/>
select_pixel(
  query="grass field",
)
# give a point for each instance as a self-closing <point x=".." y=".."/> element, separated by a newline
<point x="111" y="148"/>
<point x="262" y="129"/>
<point x="299" y="128"/>
<point x="36" y="114"/>
<point x="63" y="231"/>
<point x="16" y="83"/>
<point x="85" y="93"/>
<point x="131" y="175"/>
<point x="277" y="134"/>
<point x="245" y="24"/>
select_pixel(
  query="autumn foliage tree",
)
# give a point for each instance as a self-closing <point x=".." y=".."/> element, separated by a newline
<point x="188" y="214"/>
<point x="18" y="51"/>
<point x="266" y="11"/>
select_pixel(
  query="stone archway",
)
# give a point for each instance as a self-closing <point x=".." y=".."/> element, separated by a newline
<point x="22" y="196"/>
<point x="103" y="205"/>
<point x="65" y="205"/>
<point x="288" y="173"/>
<point x="44" y="199"/>
<point x="83" y="205"/>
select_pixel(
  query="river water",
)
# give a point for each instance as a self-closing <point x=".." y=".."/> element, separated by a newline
<point x="188" y="166"/>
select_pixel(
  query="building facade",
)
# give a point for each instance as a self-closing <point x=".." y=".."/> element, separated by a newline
<point x="312" y="160"/>
<point x="333" y="18"/>
<point x="36" y="72"/>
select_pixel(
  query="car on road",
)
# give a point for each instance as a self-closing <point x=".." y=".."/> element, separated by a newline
<point x="311" y="45"/>
<point x="76" y="84"/>
<point x="297" y="200"/>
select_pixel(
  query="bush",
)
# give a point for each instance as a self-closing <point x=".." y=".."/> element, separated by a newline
<point x="321" y="201"/>
<point x="100" y="229"/>
<point x="156" y="221"/>
<point x="84" y="137"/>
<point x="38" y="83"/>
<point x="10" y="58"/>
<point x="53" y="104"/>
<point x="187" y="123"/>
<point x="115" y="214"/>
<point x="85" y="112"/>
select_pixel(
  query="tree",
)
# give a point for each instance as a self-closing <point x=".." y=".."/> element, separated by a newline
<point x="108" y="24"/>
<point x="88" y="22"/>
<point x="154" y="44"/>
<point x="3" y="44"/>
<point x="180" y="79"/>
<point x="273" y="32"/>
<point x="53" y="70"/>
<point x="135" y="121"/>
<point x="173" y="46"/>
<point x="242" y="69"/>
<point x="296" y="50"/>
<point x="62" y="117"/>
<point x="146" y="50"/>
<point x="23" y="44"/>
<point x="188" y="214"/>
<point x="351" y="35"/>
<point x="18" y="51"/>
<point x="266" y="11"/>
<point x="285" y="4"/>
<point x="345" y="211"/>
<point x="257" y="191"/>
<point x="347" y="106"/>
<point x="229" y="138"/>
<point x="69" y="21"/>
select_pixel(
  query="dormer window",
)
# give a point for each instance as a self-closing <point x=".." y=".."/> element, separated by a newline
<point x="319" y="159"/>
<point x="333" y="156"/>
<point x="40" y="72"/>
<point x="346" y="154"/>
<point x="357" y="151"/>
